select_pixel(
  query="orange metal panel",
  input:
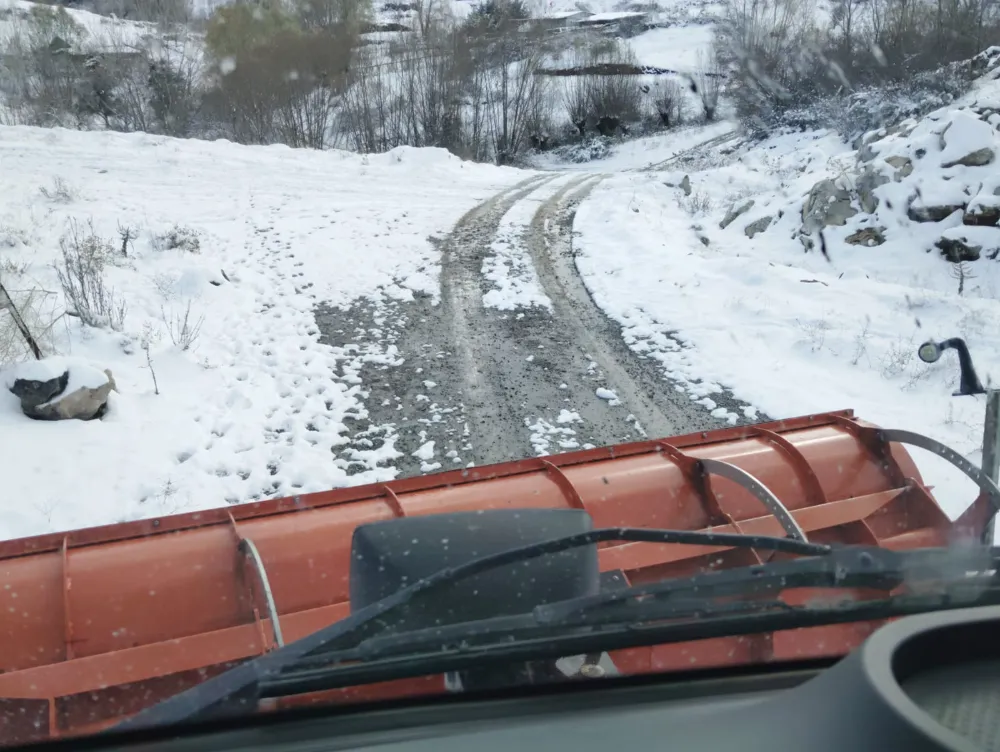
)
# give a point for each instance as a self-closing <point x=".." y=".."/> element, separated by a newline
<point x="158" y="605"/>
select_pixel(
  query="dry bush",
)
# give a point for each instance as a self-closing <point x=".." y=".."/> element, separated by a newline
<point x="59" y="192"/>
<point x="785" y="60"/>
<point x="85" y="254"/>
<point x="178" y="238"/>
<point x="37" y="309"/>
<point x="182" y="329"/>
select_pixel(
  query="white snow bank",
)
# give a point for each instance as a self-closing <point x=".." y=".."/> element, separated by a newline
<point x="787" y="331"/>
<point x="255" y="406"/>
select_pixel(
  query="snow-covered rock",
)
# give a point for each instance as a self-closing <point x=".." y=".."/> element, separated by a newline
<point x="61" y="389"/>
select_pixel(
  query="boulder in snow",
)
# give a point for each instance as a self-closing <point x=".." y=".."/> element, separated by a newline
<point x="827" y="204"/>
<point x="933" y="213"/>
<point x="868" y="181"/>
<point x="967" y="140"/>
<point x="969" y="243"/>
<point x="734" y="212"/>
<point x="867" y="236"/>
<point x="902" y="165"/>
<point x="57" y="389"/>
<point x="976" y="158"/>
<point x="758" y="225"/>
<point x="983" y="210"/>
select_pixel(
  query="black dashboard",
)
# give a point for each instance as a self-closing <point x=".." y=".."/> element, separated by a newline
<point x="923" y="683"/>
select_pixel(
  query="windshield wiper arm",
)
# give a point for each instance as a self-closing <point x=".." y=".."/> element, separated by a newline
<point x="728" y="620"/>
<point x="234" y="691"/>
<point x="870" y="568"/>
<point x="665" y="612"/>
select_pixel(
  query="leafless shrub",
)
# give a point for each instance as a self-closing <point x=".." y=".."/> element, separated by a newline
<point x="698" y="203"/>
<point x="41" y="73"/>
<point x="472" y="90"/>
<point x="861" y="343"/>
<point x="150" y="336"/>
<point x="178" y="238"/>
<point x="59" y="192"/>
<point x="815" y="332"/>
<point x="166" y="12"/>
<point x="11" y="237"/>
<point x="897" y="359"/>
<point x="81" y="275"/>
<point x="333" y="14"/>
<point x="37" y="309"/>
<point x="182" y="329"/>
<point x="576" y="102"/>
<point x="785" y="61"/>
<point x="962" y="271"/>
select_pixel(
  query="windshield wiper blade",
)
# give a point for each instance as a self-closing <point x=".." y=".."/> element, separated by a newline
<point x="234" y="691"/>
<point x="730" y="621"/>
<point x="865" y="567"/>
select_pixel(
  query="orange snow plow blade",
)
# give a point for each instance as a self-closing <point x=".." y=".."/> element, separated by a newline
<point x="100" y="623"/>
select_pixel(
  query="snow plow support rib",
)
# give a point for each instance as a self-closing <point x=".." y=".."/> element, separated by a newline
<point x="162" y="604"/>
<point x="759" y="490"/>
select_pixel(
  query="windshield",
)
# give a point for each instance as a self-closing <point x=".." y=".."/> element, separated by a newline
<point x="298" y="294"/>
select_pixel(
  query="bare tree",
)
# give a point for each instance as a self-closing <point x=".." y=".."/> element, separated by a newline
<point x="669" y="102"/>
<point x="708" y="82"/>
<point x="284" y="89"/>
<point x="344" y="15"/>
<point x="576" y="101"/>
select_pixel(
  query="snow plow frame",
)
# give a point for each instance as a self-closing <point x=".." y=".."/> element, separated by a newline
<point x="113" y="619"/>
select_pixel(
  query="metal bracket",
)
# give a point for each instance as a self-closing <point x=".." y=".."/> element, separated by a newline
<point x="980" y="478"/>
<point x="759" y="490"/>
<point x="248" y="549"/>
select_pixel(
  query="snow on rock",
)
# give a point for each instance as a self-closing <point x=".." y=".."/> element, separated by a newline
<point x="244" y="243"/>
<point x="60" y="388"/>
<point x="968" y="141"/>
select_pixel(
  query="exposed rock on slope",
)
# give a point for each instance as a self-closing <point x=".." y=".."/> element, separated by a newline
<point x="934" y="180"/>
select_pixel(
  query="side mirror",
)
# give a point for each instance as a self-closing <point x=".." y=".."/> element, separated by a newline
<point x="930" y="352"/>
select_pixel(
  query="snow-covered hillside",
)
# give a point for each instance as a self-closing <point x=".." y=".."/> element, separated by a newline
<point x="100" y="32"/>
<point x="789" y="331"/>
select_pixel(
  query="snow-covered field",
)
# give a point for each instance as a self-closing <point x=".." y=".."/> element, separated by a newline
<point x="257" y="401"/>
<point x="674" y="47"/>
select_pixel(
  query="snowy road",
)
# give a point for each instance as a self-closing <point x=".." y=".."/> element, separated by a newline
<point x="517" y="359"/>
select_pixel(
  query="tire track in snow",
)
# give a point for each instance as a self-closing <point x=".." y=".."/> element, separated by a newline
<point x="532" y="374"/>
<point x="421" y="406"/>
<point x="710" y="143"/>
<point x="658" y="405"/>
<point x="486" y="354"/>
